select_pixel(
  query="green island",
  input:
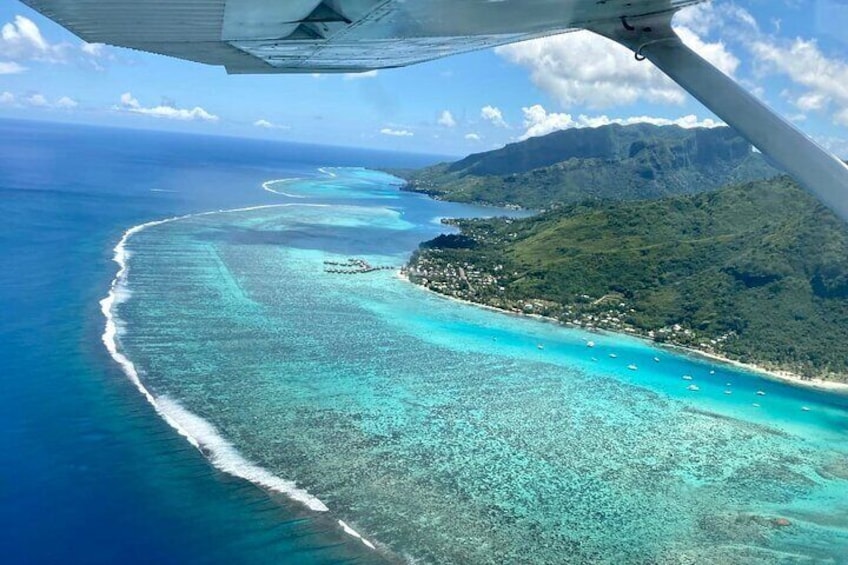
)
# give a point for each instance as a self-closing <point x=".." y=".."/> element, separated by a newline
<point x="613" y="162"/>
<point x="755" y="272"/>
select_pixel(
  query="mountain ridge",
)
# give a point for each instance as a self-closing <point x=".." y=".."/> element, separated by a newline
<point x="638" y="161"/>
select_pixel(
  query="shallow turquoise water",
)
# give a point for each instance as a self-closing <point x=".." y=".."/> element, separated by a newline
<point x="443" y="432"/>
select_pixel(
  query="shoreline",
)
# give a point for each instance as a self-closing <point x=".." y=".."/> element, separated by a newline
<point x="777" y="375"/>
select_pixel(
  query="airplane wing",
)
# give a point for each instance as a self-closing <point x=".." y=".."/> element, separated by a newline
<point x="295" y="36"/>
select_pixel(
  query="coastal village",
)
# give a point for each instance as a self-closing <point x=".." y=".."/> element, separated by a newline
<point x="437" y="270"/>
<point x="469" y="282"/>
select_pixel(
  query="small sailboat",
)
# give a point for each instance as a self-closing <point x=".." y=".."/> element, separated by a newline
<point x="656" y="359"/>
<point x="760" y="393"/>
<point x="539" y="346"/>
<point x="590" y="344"/>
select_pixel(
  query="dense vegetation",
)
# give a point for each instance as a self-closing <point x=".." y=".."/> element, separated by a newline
<point x="757" y="271"/>
<point x="611" y="162"/>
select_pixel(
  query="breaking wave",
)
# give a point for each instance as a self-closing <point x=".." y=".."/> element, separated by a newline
<point x="199" y="432"/>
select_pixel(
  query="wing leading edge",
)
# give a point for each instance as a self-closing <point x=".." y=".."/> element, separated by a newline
<point x="297" y="36"/>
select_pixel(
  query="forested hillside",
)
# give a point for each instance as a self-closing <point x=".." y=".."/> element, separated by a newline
<point x="757" y="271"/>
<point x="633" y="162"/>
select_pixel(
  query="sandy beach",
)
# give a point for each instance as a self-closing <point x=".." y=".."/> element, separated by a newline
<point x="787" y="377"/>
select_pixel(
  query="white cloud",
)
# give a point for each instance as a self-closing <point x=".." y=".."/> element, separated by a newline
<point x="824" y="79"/>
<point x="820" y="81"/>
<point x="703" y="19"/>
<point x="716" y="53"/>
<point x="357" y="76"/>
<point x="22" y="40"/>
<point x="128" y="101"/>
<point x="686" y="122"/>
<point x="811" y="101"/>
<point x="37" y="101"/>
<point x="24" y="32"/>
<point x="472" y="136"/>
<point x="538" y="121"/>
<point x="265" y="124"/>
<point x="446" y="119"/>
<point x="130" y="104"/>
<point x="841" y="117"/>
<point x="11" y="68"/>
<point x="836" y="145"/>
<point x="93" y="49"/>
<point x="396" y="132"/>
<point x="493" y="115"/>
<point x="67" y="103"/>
<point x="583" y="68"/>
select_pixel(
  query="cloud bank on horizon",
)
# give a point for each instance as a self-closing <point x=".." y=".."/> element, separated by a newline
<point x="789" y="55"/>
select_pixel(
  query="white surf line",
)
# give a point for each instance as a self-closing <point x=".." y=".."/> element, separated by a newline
<point x="267" y="187"/>
<point x="351" y="532"/>
<point x="328" y="171"/>
<point x="199" y="432"/>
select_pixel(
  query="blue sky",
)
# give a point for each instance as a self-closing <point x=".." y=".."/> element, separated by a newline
<point x="791" y="53"/>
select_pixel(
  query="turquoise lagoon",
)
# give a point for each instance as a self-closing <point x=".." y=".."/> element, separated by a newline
<point x="441" y="432"/>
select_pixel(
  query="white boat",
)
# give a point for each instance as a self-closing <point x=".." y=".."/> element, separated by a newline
<point x="539" y="346"/>
<point x="805" y="408"/>
<point x="590" y="344"/>
<point x="656" y="359"/>
<point x="760" y="393"/>
<point x="613" y="355"/>
<point x="694" y="388"/>
<point x="687" y="377"/>
<point x="755" y="405"/>
<point x="728" y="392"/>
<point x="633" y="367"/>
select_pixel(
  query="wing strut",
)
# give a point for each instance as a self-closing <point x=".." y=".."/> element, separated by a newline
<point x="812" y="166"/>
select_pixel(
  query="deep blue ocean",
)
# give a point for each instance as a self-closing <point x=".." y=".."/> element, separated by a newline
<point x="90" y="474"/>
<point x="259" y="406"/>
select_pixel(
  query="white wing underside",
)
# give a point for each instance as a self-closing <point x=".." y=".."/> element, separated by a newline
<point x="290" y="36"/>
<point x="296" y="36"/>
